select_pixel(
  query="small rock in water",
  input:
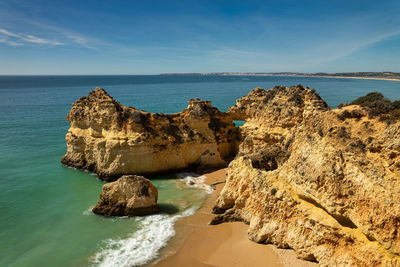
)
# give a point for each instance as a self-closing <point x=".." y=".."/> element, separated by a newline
<point x="130" y="195"/>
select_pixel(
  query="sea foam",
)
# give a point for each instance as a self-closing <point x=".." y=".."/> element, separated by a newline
<point x="143" y="245"/>
<point x="195" y="180"/>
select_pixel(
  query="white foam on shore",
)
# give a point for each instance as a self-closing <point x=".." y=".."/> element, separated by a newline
<point x="143" y="245"/>
<point x="194" y="180"/>
<point x="88" y="211"/>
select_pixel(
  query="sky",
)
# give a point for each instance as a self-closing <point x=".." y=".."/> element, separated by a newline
<point x="151" y="37"/>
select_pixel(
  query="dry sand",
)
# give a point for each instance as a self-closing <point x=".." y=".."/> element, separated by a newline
<point x="225" y="245"/>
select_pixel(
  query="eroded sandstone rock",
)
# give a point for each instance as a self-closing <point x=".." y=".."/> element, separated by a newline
<point x="272" y="114"/>
<point x="130" y="195"/>
<point x="323" y="182"/>
<point x="111" y="139"/>
<point x="329" y="188"/>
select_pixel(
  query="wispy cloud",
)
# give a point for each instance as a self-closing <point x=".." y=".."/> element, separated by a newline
<point x="20" y="39"/>
<point x="37" y="40"/>
<point x="83" y="41"/>
<point x="377" y="39"/>
<point x="7" y="33"/>
<point x="340" y="49"/>
<point x="4" y="40"/>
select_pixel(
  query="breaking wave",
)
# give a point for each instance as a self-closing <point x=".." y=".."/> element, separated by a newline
<point x="195" y="180"/>
<point x="143" y="245"/>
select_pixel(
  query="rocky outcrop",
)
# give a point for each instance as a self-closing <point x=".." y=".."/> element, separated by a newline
<point x="272" y="114"/>
<point x="130" y="195"/>
<point x="323" y="182"/>
<point x="112" y="140"/>
<point x="326" y="184"/>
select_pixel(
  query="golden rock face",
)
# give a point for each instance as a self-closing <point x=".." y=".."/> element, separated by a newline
<point x="112" y="140"/>
<point x="273" y="114"/>
<point x="328" y="187"/>
<point x="323" y="182"/>
<point x="130" y="195"/>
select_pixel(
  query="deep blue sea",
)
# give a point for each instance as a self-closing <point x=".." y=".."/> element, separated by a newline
<point x="45" y="207"/>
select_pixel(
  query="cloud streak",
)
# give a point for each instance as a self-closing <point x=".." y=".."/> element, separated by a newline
<point x="80" y="40"/>
<point x="19" y="39"/>
<point x="344" y="49"/>
<point x="4" y="40"/>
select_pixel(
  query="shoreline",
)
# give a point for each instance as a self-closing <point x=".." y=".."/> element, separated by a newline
<point x="359" y="78"/>
<point x="283" y="75"/>
<point x="198" y="244"/>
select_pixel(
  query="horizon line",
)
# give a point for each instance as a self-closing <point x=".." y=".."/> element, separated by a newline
<point x="280" y="73"/>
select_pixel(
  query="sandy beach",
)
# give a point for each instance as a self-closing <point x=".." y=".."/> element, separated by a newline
<point x="342" y="77"/>
<point x="361" y="78"/>
<point x="199" y="244"/>
<point x="299" y="75"/>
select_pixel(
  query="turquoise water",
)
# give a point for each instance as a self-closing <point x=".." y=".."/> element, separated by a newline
<point x="45" y="207"/>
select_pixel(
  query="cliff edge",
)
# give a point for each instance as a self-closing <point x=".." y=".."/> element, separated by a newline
<point x="324" y="183"/>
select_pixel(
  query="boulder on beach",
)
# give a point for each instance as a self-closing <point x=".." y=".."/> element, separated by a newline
<point x="130" y="195"/>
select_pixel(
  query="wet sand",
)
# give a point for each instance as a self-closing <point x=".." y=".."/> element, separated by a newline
<point x="199" y="244"/>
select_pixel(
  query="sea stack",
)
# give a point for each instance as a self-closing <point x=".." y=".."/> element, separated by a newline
<point x="130" y="195"/>
<point x="112" y="140"/>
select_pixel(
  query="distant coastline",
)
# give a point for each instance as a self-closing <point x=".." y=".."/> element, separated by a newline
<point x="389" y="76"/>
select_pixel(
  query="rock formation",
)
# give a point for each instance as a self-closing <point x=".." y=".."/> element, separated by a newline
<point x="130" y="195"/>
<point x="323" y="182"/>
<point x="271" y="114"/>
<point x="113" y="140"/>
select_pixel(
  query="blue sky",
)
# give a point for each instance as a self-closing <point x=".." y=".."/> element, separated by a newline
<point x="149" y="37"/>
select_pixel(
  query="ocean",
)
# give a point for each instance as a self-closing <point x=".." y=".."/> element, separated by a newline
<point x="45" y="207"/>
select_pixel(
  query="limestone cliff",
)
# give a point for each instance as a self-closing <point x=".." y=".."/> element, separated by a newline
<point x="112" y="140"/>
<point x="323" y="182"/>
<point x="272" y="114"/>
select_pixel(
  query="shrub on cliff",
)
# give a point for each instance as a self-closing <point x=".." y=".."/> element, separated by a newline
<point x="378" y="106"/>
<point x="369" y="99"/>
